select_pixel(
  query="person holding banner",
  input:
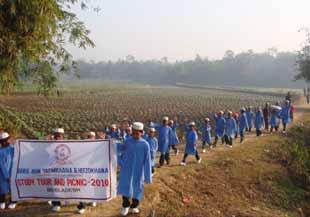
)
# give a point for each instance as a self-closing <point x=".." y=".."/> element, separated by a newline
<point x="6" y="162"/>
<point x="128" y="133"/>
<point x="114" y="132"/>
<point x="135" y="169"/>
<point x="58" y="134"/>
<point x="82" y="207"/>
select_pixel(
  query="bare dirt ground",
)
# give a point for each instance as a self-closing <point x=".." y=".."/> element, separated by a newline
<point x="244" y="181"/>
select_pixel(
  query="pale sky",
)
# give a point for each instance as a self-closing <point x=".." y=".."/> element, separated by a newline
<point x="180" y="29"/>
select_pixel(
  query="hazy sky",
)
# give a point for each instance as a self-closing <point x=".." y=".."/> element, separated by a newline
<point x="180" y="29"/>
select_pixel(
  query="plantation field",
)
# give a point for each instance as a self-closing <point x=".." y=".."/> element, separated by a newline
<point x="84" y="107"/>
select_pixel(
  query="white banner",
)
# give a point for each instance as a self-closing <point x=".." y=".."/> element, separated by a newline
<point x="83" y="170"/>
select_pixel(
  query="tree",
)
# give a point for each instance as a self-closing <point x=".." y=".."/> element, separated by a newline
<point x="303" y="59"/>
<point x="33" y="38"/>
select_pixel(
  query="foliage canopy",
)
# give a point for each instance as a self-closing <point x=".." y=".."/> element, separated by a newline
<point x="33" y="38"/>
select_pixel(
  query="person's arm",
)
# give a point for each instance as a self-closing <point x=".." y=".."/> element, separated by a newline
<point x="120" y="153"/>
<point x="156" y="146"/>
<point x="195" y="138"/>
<point x="11" y="166"/>
<point x="235" y="125"/>
<point x="214" y="116"/>
<point x="3" y="169"/>
<point x="224" y="124"/>
<point x="147" y="165"/>
<point x="246" y="122"/>
<point x="151" y="145"/>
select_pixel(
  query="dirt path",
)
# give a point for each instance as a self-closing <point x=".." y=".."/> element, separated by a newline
<point x="237" y="182"/>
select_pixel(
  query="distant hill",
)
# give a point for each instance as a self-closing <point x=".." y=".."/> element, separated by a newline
<point x="269" y="69"/>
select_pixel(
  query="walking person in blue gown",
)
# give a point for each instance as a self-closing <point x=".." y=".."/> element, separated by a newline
<point x="191" y="144"/>
<point x="135" y="170"/>
<point x="6" y="163"/>
<point x="174" y="136"/>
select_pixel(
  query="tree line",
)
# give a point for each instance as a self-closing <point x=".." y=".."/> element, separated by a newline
<point x="268" y="69"/>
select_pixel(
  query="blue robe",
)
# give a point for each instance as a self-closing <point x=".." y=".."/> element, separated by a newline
<point x="136" y="168"/>
<point x="164" y="138"/>
<point x="250" y="117"/>
<point x="285" y="114"/>
<point x="206" y="133"/>
<point x="220" y="125"/>
<point x="114" y="134"/>
<point x="153" y="142"/>
<point x="127" y="136"/>
<point x="191" y="142"/>
<point x="230" y="127"/>
<point x="259" y="120"/>
<point x="6" y="163"/>
<point x="174" y="135"/>
<point x="243" y="122"/>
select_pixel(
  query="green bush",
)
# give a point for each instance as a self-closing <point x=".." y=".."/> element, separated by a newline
<point x="295" y="153"/>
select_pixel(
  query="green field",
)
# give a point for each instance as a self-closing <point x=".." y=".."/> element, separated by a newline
<point x="84" y="106"/>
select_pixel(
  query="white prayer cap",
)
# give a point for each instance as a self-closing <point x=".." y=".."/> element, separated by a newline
<point x="165" y="118"/>
<point x="138" y="126"/>
<point x="221" y="112"/>
<point x="4" y="135"/>
<point x="152" y="129"/>
<point x="192" y="123"/>
<point x="171" y="121"/>
<point x="230" y="112"/>
<point x="92" y="133"/>
<point x="113" y="126"/>
<point x="59" y="130"/>
<point x="207" y="119"/>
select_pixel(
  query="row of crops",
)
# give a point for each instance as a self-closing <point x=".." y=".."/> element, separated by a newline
<point x="79" y="111"/>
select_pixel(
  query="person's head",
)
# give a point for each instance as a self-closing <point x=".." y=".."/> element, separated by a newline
<point x="287" y="102"/>
<point x="229" y="114"/>
<point x="91" y="135"/>
<point x="221" y="113"/>
<point x="242" y="110"/>
<point x="102" y="134"/>
<point x="4" y="139"/>
<point x="113" y="127"/>
<point x="152" y="132"/>
<point x="258" y="109"/>
<point x="192" y="125"/>
<point x="165" y="120"/>
<point x="137" y="130"/>
<point x="207" y="120"/>
<point x="170" y="122"/>
<point x="59" y="134"/>
<point x="128" y="130"/>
